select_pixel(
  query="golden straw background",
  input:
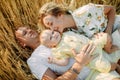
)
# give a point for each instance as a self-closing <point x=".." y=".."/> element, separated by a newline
<point x="14" y="13"/>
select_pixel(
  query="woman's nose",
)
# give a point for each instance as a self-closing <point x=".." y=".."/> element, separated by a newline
<point x="56" y="28"/>
<point x="52" y="29"/>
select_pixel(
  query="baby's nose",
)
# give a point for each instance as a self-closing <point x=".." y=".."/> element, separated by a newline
<point x="52" y="29"/>
<point x="56" y="28"/>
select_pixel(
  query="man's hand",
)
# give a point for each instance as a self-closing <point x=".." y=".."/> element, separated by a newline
<point x="84" y="57"/>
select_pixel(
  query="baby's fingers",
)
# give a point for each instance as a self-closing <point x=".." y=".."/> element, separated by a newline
<point x="50" y="60"/>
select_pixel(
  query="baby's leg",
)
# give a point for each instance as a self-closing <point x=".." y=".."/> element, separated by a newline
<point x="116" y="79"/>
<point x="60" y="62"/>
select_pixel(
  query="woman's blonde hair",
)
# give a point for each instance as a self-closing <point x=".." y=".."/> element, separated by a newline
<point x="52" y="8"/>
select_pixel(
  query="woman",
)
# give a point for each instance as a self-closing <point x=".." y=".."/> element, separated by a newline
<point x="38" y="61"/>
<point x="82" y="20"/>
<point x="88" y="20"/>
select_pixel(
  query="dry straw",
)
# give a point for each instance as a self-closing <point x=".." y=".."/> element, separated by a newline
<point x="14" y="13"/>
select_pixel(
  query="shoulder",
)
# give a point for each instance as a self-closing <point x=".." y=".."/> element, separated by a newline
<point x="42" y="49"/>
<point x="39" y="56"/>
<point x="40" y="53"/>
<point x="90" y="7"/>
<point x="73" y="35"/>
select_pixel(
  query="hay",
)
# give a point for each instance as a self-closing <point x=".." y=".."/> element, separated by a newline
<point x="14" y="13"/>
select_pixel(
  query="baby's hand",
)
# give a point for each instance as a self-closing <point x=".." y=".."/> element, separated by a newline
<point x="50" y="60"/>
<point x="100" y="39"/>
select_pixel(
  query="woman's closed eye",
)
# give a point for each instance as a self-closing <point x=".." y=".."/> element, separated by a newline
<point x="50" y="24"/>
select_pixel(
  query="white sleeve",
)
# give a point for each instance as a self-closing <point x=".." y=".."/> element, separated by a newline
<point x="38" y="61"/>
<point x="37" y="68"/>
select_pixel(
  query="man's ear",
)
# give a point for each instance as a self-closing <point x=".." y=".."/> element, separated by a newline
<point x="21" y="41"/>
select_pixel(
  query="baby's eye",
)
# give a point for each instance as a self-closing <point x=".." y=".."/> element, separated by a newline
<point x="50" y="37"/>
<point x="52" y="32"/>
<point x="24" y="33"/>
<point x="49" y="24"/>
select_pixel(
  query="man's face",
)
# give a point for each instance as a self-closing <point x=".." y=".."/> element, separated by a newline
<point x="26" y="35"/>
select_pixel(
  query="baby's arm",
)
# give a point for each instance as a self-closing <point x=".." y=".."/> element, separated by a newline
<point x="100" y="64"/>
<point x="100" y="40"/>
<point x="61" y="62"/>
<point x="60" y="56"/>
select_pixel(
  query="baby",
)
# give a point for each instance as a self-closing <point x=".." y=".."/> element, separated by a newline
<point x="61" y="48"/>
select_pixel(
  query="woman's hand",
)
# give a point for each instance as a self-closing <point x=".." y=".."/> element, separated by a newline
<point x="109" y="47"/>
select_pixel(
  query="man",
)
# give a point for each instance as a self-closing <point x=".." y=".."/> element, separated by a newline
<point x="38" y="60"/>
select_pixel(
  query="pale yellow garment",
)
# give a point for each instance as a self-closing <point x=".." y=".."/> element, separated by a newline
<point x="72" y="40"/>
<point x="96" y="75"/>
<point x="69" y="40"/>
<point x="113" y="57"/>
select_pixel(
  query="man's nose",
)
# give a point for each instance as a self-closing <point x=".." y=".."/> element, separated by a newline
<point x="29" y="30"/>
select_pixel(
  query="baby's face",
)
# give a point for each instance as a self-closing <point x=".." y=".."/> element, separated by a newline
<point x="50" y="38"/>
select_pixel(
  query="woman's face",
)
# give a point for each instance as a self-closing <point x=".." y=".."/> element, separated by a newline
<point x="26" y="36"/>
<point x="54" y="23"/>
<point x="51" y="38"/>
